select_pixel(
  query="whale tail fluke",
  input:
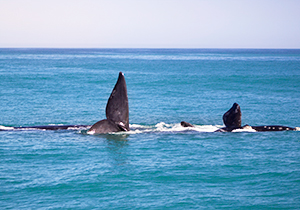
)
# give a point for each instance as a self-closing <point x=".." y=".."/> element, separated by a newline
<point x="117" y="110"/>
<point x="233" y="117"/>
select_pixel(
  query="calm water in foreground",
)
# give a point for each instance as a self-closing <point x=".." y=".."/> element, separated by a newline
<point x="158" y="164"/>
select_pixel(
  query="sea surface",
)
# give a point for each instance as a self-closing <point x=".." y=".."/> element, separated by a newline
<point x="158" y="164"/>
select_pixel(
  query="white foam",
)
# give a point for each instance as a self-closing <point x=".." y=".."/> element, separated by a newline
<point x="78" y="128"/>
<point x="246" y="129"/>
<point x="137" y="126"/>
<point x="6" y="128"/>
<point x="163" y="127"/>
<point x="91" y="132"/>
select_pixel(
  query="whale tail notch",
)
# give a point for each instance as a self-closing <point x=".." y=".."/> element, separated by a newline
<point x="117" y="111"/>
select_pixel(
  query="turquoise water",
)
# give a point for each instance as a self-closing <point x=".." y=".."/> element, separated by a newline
<point x="158" y="164"/>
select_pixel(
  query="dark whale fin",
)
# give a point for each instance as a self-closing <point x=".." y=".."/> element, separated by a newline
<point x="117" y="111"/>
<point x="233" y="117"/>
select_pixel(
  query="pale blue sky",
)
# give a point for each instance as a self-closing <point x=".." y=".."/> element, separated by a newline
<point x="150" y="23"/>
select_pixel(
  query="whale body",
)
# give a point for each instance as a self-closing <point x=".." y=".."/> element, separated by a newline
<point x="233" y="120"/>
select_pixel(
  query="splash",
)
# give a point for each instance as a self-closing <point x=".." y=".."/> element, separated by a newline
<point x="163" y="127"/>
<point x="5" y="128"/>
<point x="247" y="129"/>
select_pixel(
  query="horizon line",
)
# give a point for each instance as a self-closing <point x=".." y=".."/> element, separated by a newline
<point x="191" y="48"/>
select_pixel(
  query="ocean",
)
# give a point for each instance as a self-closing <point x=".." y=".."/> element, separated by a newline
<point x="158" y="164"/>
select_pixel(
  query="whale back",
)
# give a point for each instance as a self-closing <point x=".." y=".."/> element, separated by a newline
<point x="273" y="128"/>
<point x="103" y="126"/>
<point x="233" y="117"/>
<point x="117" y="108"/>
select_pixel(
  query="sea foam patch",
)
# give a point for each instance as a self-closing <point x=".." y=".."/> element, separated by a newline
<point x="246" y="129"/>
<point x="5" y="128"/>
<point x="163" y="127"/>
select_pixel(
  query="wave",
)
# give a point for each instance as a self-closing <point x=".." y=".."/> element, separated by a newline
<point x="164" y="128"/>
<point x="161" y="127"/>
<point x="6" y="128"/>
